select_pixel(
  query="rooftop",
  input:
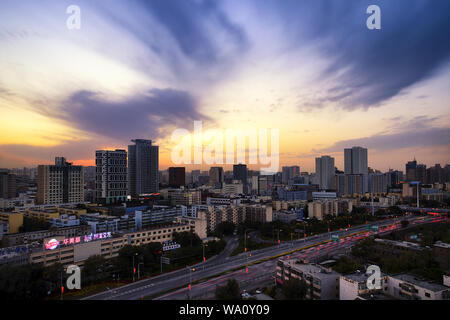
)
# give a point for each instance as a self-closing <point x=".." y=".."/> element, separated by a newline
<point x="359" y="276"/>
<point x="432" y="286"/>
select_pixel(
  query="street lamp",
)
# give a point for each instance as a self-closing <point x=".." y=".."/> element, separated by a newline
<point x="190" y="279"/>
<point x="134" y="269"/>
<point x="245" y="239"/>
<point x="139" y="264"/>
<point x="204" y="259"/>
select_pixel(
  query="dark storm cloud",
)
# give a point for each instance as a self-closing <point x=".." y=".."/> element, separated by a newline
<point x="185" y="20"/>
<point x="200" y="29"/>
<point x="141" y="115"/>
<point x="371" y="66"/>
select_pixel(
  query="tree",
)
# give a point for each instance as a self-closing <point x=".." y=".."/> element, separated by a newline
<point x="294" y="289"/>
<point x="187" y="239"/>
<point x="94" y="269"/>
<point x="230" y="291"/>
<point x="346" y="265"/>
<point x="224" y="229"/>
<point x="395" y="210"/>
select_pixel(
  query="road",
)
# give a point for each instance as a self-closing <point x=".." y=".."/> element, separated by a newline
<point x="174" y="285"/>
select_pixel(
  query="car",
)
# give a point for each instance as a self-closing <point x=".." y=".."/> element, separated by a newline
<point x="246" y="295"/>
<point x="258" y="291"/>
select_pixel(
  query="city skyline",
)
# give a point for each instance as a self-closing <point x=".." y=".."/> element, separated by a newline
<point x="77" y="91"/>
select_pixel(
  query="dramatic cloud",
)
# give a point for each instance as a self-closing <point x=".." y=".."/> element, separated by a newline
<point x="370" y="66"/>
<point x="138" y="116"/>
<point x="415" y="133"/>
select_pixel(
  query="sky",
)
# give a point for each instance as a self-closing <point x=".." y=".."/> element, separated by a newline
<point x="141" y="69"/>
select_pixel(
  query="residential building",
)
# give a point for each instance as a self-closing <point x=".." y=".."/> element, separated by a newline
<point x="352" y="286"/>
<point x="322" y="283"/>
<point x="216" y="177"/>
<point x="177" y="177"/>
<point x="356" y="163"/>
<point x="60" y="183"/>
<point x="409" y="287"/>
<point x="111" y="176"/>
<point x="7" y="184"/>
<point x="14" y="220"/>
<point x="143" y="168"/>
<point x="325" y="171"/>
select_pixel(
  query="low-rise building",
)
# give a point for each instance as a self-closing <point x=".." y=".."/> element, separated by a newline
<point x="409" y="287"/>
<point x="14" y="220"/>
<point x="285" y="216"/>
<point x="322" y="208"/>
<point x="352" y="286"/>
<point x="4" y="228"/>
<point x="16" y="239"/>
<point x="322" y="282"/>
<point x="77" y="249"/>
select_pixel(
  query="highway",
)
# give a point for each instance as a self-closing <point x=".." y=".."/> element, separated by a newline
<point x="174" y="285"/>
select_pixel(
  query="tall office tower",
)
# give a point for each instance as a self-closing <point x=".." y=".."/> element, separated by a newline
<point x="356" y="162"/>
<point x="177" y="177"/>
<point x="111" y="176"/>
<point x="325" y="171"/>
<point x="411" y="170"/>
<point x="7" y="184"/>
<point x="240" y="173"/>
<point x="216" y="176"/>
<point x="60" y="183"/>
<point x="143" y="168"/>
<point x="195" y="174"/>
<point x="421" y="173"/>
<point x="289" y="173"/>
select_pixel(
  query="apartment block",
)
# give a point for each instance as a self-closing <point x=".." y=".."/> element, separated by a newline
<point x="60" y="183"/>
<point x="322" y="283"/>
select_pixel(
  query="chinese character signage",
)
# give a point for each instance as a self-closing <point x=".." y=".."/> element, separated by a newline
<point x="170" y="245"/>
<point x="53" y="243"/>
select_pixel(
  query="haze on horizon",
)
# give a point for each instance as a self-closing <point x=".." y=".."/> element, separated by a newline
<point x="140" y="69"/>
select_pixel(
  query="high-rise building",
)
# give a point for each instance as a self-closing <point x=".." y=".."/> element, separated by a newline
<point x="177" y="177"/>
<point x="289" y="173"/>
<point x="411" y="170"/>
<point x="378" y="182"/>
<point x="195" y="174"/>
<point x="325" y="171"/>
<point x="7" y="184"/>
<point x="240" y="173"/>
<point x="394" y="177"/>
<point x="436" y="174"/>
<point x="354" y="184"/>
<point x="60" y="183"/>
<point x="421" y="173"/>
<point x="356" y="162"/>
<point x="216" y="177"/>
<point x="143" y="168"/>
<point x="111" y="176"/>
